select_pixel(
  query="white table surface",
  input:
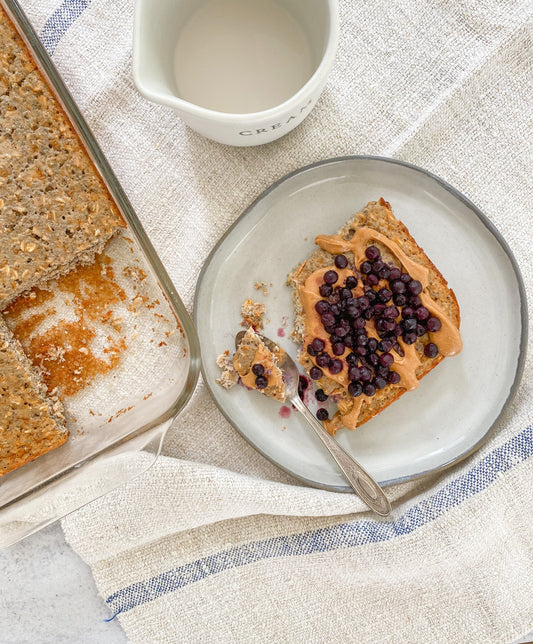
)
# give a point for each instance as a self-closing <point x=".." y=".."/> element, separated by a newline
<point x="47" y="595"/>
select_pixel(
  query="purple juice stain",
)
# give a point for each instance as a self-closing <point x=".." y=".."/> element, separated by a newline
<point x="284" y="411"/>
<point x="281" y="332"/>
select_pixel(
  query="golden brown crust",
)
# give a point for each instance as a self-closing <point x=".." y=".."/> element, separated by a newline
<point x="55" y="210"/>
<point x="377" y="215"/>
<point x="31" y="422"/>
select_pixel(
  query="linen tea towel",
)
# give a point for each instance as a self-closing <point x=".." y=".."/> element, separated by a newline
<point x="216" y="544"/>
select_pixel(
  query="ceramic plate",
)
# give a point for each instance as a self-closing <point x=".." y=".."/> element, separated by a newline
<point x="456" y="405"/>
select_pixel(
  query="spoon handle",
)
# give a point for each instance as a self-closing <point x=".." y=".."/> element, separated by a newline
<point x="362" y="483"/>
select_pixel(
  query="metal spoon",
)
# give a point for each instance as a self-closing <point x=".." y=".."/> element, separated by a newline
<point x="360" y="480"/>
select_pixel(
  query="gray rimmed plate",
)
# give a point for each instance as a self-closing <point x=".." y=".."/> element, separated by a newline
<point x="456" y="405"/>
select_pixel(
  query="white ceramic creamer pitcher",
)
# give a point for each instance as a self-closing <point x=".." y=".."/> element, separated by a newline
<point x="241" y="72"/>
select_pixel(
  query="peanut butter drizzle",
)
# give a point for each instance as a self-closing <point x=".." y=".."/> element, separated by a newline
<point x="449" y="339"/>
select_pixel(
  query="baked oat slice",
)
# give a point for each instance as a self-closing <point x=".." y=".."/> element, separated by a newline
<point x="413" y="347"/>
<point x="55" y="210"/>
<point x="31" y="421"/>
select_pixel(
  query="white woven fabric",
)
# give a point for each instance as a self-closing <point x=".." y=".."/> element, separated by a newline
<point x="214" y="543"/>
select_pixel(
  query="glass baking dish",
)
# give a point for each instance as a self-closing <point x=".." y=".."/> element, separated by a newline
<point x="117" y="419"/>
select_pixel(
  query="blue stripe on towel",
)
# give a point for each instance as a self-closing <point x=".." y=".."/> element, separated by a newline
<point x="337" y="537"/>
<point x="60" y="22"/>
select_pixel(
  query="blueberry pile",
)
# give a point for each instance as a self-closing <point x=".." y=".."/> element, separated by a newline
<point x="396" y="310"/>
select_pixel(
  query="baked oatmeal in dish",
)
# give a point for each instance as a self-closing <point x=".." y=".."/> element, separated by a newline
<point x="55" y="214"/>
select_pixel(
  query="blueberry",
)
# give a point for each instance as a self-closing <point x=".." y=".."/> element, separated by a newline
<point x="351" y="358"/>
<point x="380" y="383"/>
<point x="431" y="350"/>
<point x="335" y="366"/>
<point x="391" y="312"/>
<point x="386" y="359"/>
<point x="372" y="279"/>
<point x="351" y="282"/>
<point x="420" y="330"/>
<point x="409" y="324"/>
<point x="318" y="345"/>
<point x="408" y="312"/>
<point x="385" y="326"/>
<point x="315" y="373"/>
<point x="406" y="278"/>
<point x="321" y="307"/>
<point x="327" y="319"/>
<point x="338" y="348"/>
<point x="373" y="253"/>
<point x="341" y="261"/>
<point x="415" y="287"/>
<point x="366" y="268"/>
<point x="322" y="414"/>
<point x="323" y="360"/>
<point x="377" y="266"/>
<point x="365" y="374"/>
<point x="372" y="344"/>
<point x="369" y="389"/>
<point x="352" y="310"/>
<point x="330" y="277"/>
<point x="385" y="345"/>
<point x="321" y="395"/>
<point x="384" y="273"/>
<point x="354" y="373"/>
<point x="310" y="350"/>
<point x="409" y="338"/>
<point x="362" y="340"/>
<point x="373" y="359"/>
<point x="258" y="369"/>
<point x="384" y="294"/>
<point x="261" y="382"/>
<point x="415" y="301"/>
<point x="355" y="389"/>
<point x="325" y="290"/>
<point x="395" y="274"/>
<point x="399" y="299"/>
<point x="348" y="341"/>
<point x="394" y="377"/>
<point x="382" y="372"/>
<point x="398" y="287"/>
<point x="422" y="313"/>
<point x="433" y="324"/>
